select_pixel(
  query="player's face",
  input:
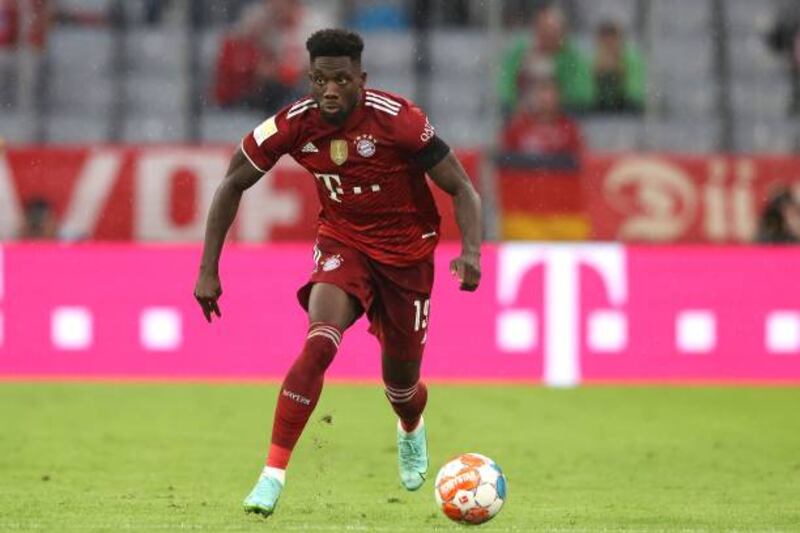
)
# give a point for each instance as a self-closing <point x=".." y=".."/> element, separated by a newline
<point x="336" y="84"/>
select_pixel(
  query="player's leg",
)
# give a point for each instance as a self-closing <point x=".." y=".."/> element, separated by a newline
<point x="408" y="396"/>
<point x="401" y="324"/>
<point x="330" y="312"/>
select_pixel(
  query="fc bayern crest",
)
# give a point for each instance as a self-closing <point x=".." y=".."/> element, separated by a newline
<point x="332" y="263"/>
<point x="365" y="145"/>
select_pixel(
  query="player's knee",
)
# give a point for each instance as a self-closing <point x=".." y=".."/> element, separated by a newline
<point x="322" y="343"/>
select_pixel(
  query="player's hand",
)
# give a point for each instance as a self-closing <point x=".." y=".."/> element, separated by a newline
<point x="207" y="291"/>
<point x="467" y="268"/>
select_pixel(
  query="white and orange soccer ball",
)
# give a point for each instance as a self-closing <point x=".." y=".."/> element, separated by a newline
<point x="471" y="488"/>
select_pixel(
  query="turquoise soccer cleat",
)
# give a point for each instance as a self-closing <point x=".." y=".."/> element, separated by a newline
<point x="412" y="456"/>
<point x="264" y="497"/>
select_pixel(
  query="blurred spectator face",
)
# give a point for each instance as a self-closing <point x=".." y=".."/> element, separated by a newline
<point x="544" y="100"/>
<point x="283" y="11"/>
<point x="548" y="28"/>
<point x="779" y="222"/>
<point x="791" y="217"/>
<point x="40" y="221"/>
<point x="608" y="55"/>
<point x="609" y="41"/>
<point x="253" y="22"/>
<point x="797" y="49"/>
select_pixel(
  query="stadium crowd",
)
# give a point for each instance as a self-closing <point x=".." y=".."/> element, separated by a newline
<point x="573" y="77"/>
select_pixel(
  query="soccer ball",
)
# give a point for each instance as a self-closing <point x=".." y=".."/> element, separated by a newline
<point x="471" y="488"/>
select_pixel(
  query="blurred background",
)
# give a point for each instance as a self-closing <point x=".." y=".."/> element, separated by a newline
<point x="692" y="98"/>
<point x="635" y="158"/>
<point x="589" y="127"/>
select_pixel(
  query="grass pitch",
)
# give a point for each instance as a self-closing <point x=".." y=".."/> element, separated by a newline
<point x="144" y="457"/>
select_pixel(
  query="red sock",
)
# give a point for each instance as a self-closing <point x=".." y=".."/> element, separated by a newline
<point x="300" y="391"/>
<point x="408" y="403"/>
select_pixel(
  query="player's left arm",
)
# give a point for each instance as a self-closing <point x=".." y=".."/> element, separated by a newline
<point x="450" y="176"/>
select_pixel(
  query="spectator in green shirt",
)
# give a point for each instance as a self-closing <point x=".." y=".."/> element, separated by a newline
<point x="619" y="72"/>
<point x="547" y="52"/>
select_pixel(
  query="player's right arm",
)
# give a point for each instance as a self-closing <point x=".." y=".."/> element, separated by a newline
<point x="241" y="175"/>
<point x="259" y="151"/>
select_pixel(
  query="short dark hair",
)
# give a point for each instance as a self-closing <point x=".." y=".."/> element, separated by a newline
<point x="772" y="227"/>
<point x="609" y="28"/>
<point x="334" y="42"/>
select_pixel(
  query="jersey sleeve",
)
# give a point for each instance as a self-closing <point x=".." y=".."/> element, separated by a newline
<point x="414" y="131"/>
<point x="268" y="142"/>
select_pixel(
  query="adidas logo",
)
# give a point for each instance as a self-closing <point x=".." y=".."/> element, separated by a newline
<point x="309" y="148"/>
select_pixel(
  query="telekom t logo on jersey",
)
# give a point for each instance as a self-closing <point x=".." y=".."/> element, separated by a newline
<point x="517" y="328"/>
<point x="333" y="183"/>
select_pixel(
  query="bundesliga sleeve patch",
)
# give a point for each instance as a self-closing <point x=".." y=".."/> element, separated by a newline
<point x="265" y="130"/>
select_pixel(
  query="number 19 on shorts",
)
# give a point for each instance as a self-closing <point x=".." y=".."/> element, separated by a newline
<point x="421" y="310"/>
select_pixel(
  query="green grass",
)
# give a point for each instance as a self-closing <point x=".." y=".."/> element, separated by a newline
<point x="138" y="457"/>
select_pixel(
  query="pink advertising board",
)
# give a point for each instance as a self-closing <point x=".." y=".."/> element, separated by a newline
<point x="557" y="314"/>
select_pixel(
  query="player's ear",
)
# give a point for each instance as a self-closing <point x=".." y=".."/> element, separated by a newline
<point x="363" y="79"/>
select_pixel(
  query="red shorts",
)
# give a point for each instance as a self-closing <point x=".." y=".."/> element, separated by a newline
<point x="396" y="299"/>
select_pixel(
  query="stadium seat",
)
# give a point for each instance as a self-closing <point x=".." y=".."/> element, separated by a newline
<point x="612" y="134"/>
<point x="156" y="51"/>
<point x="153" y="95"/>
<point x="686" y="96"/>
<point x="73" y="93"/>
<point x="675" y="19"/>
<point x="228" y="127"/>
<point x="685" y="87"/>
<point x="767" y="99"/>
<point x="81" y="49"/>
<point x="458" y="52"/>
<point x="463" y="131"/>
<point x="685" y="58"/>
<point x="209" y="49"/>
<point x="464" y="95"/>
<point x="398" y="82"/>
<point x="745" y="17"/>
<point x="89" y="5"/>
<point x="770" y="136"/>
<point x="80" y="70"/>
<point x="154" y="129"/>
<point x="750" y="57"/>
<point x="388" y="52"/>
<point x="683" y="135"/>
<point x="591" y="13"/>
<point x="16" y="127"/>
<point x="70" y="128"/>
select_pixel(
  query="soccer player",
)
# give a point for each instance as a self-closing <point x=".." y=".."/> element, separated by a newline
<point x="368" y="152"/>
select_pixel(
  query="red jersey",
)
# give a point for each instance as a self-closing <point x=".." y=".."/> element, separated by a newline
<point x="373" y="196"/>
<point x="526" y="134"/>
<point x="237" y="66"/>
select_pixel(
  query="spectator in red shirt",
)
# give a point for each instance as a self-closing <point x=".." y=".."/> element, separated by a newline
<point x="243" y="63"/>
<point x="8" y="42"/>
<point x="26" y="24"/>
<point x="259" y="63"/>
<point x="541" y="128"/>
<point x="539" y="170"/>
<point x="9" y="21"/>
